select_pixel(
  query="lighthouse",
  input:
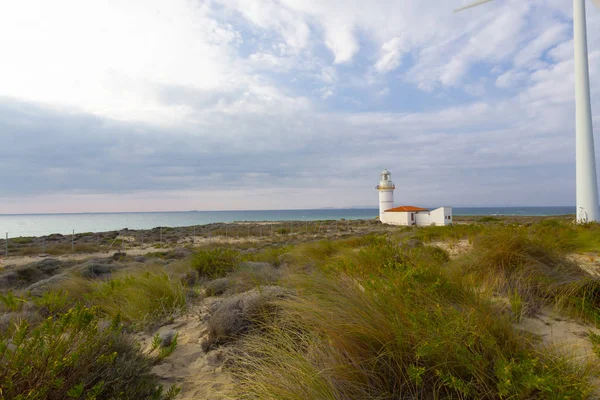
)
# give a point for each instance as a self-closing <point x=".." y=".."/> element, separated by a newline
<point x="407" y="215"/>
<point x="386" y="193"/>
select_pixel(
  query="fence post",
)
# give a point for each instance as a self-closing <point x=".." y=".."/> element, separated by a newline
<point x="73" y="242"/>
<point x="291" y="227"/>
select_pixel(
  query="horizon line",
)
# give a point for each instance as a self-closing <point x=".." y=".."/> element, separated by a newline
<point x="259" y="210"/>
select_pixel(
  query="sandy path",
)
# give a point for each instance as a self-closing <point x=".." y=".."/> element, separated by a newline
<point x="454" y="249"/>
<point x="590" y="262"/>
<point x="199" y="374"/>
<point x="22" y="260"/>
<point x="564" y="335"/>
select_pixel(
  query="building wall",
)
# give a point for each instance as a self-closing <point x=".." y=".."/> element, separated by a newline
<point x="396" y="218"/>
<point x="423" y="218"/>
<point x="439" y="216"/>
<point x="386" y="201"/>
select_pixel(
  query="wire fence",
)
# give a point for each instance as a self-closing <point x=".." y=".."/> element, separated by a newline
<point x="56" y="243"/>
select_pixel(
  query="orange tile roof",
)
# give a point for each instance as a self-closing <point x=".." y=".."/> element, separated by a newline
<point x="406" y="209"/>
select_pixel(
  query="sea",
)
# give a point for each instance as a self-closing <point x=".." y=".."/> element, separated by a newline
<point x="44" y="224"/>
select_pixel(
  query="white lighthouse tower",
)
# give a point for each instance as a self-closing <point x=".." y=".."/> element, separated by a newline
<point x="386" y="193"/>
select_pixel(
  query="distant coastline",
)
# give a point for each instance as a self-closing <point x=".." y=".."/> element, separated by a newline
<point x="44" y="224"/>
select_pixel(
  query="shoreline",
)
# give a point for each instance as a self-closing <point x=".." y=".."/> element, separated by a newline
<point x="142" y="241"/>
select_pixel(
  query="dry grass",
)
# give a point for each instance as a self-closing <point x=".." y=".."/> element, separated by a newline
<point x="530" y="271"/>
<point x="385" y="322"/>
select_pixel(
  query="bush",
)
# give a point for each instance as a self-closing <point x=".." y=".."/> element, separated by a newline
<point x="271" y="255"/>
<point x="72" y="356"/>
<point x="489" y="219"/>
<point x="140" y="299"/>
<point x="235" y="315"/>
<point x="22" y="240"/>
<point x="215" y="263"/>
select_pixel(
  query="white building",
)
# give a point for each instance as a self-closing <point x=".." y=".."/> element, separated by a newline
<point x="407" y="215"/>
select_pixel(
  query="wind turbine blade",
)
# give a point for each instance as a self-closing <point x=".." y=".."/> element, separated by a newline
<point x="596" y="3"/>
<point x="477" y="3"/>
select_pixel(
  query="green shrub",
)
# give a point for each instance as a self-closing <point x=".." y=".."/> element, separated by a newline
<point x="271" y="255"/>
<point x="10" y="302"/>
<point x="214" y="263"/>
<point x="489" y="219"/>
<point x="71" y="356"/>
<point x="22" y="240"/>
<point x="53" y="302"/>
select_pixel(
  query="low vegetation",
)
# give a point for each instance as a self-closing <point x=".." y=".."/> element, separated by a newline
<point x="384" y="321"/>
<point x="75" y="356"/>
<point x="381" y="315"/>
<point x="71" y="340"/>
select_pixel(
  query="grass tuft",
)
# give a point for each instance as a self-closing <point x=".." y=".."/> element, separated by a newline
<point x="215" y="263"/>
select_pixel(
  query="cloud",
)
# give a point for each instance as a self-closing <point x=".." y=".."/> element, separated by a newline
<point x="162" y="103"/>
<point x="391" y="56"/>
<point x="326" y="93"/>
<point x="510" y="78"/>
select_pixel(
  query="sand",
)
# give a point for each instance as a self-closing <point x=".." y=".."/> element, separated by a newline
<point x="199" y="374"/>
<point x="589" y="262"/>
<point x="562" y="334"/>
<point x="454" y="249"/>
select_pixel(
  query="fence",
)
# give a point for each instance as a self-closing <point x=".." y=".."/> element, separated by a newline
<point x="56" y="243"/>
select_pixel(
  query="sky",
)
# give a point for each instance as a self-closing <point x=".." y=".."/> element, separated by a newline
<point x="282" y="104"/>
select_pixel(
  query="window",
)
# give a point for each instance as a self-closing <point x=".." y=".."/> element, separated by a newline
<point x="412" y="217"/>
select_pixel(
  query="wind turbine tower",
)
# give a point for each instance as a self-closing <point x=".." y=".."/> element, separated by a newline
<point x="588" y="209"/>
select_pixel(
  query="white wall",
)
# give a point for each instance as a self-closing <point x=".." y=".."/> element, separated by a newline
<point x="386" y="201"/>
<point x="439" y="216"/>
<point x="423" y="219"/>
<point x="396" y="218"/>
